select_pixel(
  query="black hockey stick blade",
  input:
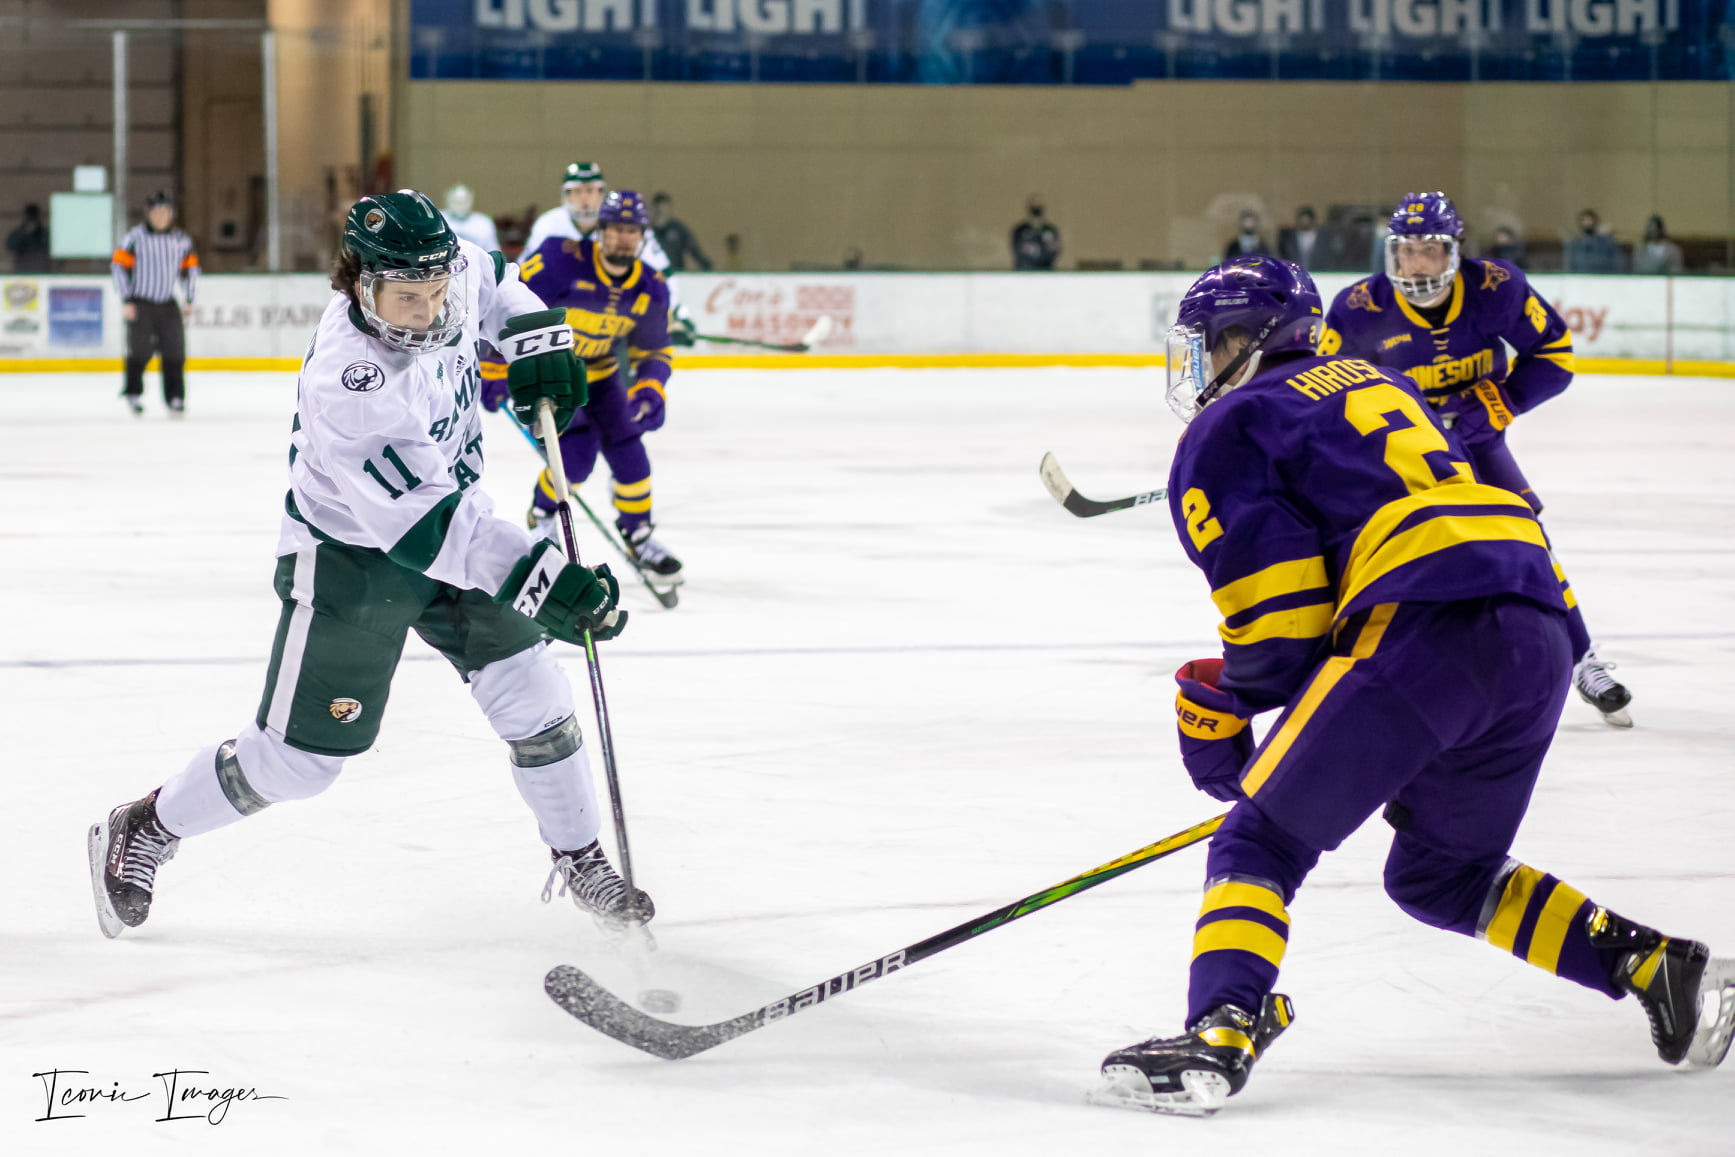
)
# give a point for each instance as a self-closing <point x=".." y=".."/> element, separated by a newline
<point x="1057" y="483"/>
<point x="593" y="1004"/>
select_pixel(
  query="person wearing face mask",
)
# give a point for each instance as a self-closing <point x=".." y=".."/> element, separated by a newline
<point x="1247" y="241"/>
<point x="1035" y="240"/>
<point x="476" y="228"/>
<point x="1658" y="256"/>
<point x="384" y="531"/>
<point x="1592" y="250"/>
<point x="1447" y="325"/>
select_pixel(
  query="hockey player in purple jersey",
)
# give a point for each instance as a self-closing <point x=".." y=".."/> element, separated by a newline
<point x="1408" y="621"/>
<point x="1446" y="325"/>
<point x="615" y="303"/>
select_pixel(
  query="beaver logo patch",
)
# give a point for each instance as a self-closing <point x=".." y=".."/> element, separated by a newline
<point x="346" y="710"/>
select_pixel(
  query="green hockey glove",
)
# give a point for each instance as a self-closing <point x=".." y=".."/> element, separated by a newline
<point x="540" y="364"/>
<point x="564" y="598"/>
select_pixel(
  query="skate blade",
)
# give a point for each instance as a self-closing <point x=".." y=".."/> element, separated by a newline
<point x="1618" y="719"/>
<point x="107" y="918"/>
<point x="1125" y="1087"/>
<point x="1716" y="1016"/>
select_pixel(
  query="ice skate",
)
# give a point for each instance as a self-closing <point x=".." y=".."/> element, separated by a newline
<point x="1689" y="998"/>
<point x="177" y="409"/>
<point x="126" y="849"/>
<point x="1193" y="1075"/>
<point x="597" y="888"/>
<point x="651" y="556"/>
<point x="1594" y="684"/>
<point x="134" y="407"/>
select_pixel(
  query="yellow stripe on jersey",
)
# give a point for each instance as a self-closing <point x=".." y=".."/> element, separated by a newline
<point x="1553" y="926"/>
<point x="530" y="267"/>
<point x="1242" y="894"/>
<point x="1564" y="359"/>
<point x="1502" y="930"/>
<point x="1240" y="936"/>
<point x="1283" y="578"/>
<point x="1378" y="552"/>
<point x="1565" y="587"/>
<point x="1312" y="622"/>
<point x="1331" y="672"/>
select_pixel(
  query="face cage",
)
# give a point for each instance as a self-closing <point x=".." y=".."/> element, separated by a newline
<point x="1422" y="290"/>
<point x="589" y="220"/>
<point x="445" y="327"/>
<point x="1188" y="365"/>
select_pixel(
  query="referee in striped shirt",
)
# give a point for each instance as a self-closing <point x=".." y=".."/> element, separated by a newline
<point x="150" y="259"/>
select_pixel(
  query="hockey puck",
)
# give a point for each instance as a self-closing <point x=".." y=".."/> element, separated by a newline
<point x="659" y="1000"/>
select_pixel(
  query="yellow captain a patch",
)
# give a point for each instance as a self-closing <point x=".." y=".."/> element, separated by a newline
<point x="1360" y="298"/>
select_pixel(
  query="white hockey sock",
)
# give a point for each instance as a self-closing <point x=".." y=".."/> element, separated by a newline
<point x="563" y="798"/>
<point x="192" y="802"/>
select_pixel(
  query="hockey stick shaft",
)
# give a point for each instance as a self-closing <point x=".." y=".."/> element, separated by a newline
<point x="1054" y="479"/>
<point x="550" y="435"/>
<point x="607" y="1013"/>
<point x="818" y="332"/>
<point x="668" y="598"/>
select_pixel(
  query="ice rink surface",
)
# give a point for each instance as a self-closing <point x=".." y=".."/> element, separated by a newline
<point x="903" y="688"/>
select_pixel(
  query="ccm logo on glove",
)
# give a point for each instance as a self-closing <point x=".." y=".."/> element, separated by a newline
<point x="538" y="341"/>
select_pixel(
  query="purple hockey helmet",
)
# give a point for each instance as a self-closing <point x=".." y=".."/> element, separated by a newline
<point x="1273" y="303"/>
<point x="1422" y="249"/>
<point x="625" y="207"/>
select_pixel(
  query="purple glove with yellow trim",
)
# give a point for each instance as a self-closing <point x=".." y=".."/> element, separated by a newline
<point x="1478" y="415"/>
<point x="1215" y="739"/>
<point x="645" y="401"/>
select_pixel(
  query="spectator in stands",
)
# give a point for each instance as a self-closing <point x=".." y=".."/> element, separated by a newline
<point x="673" y="235"/>
<point x="28" y="243"/>
<point x="1507" y="247"/>
<point x="1247" y="240"/>
<point x="1304" y="242"/>
<point x="1592" y="251"/>
<point x="1657" y="255"/>
<point x="1035" y="241"/>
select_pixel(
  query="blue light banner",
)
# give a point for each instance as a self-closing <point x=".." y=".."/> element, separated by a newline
<point x="1071" y="41"/>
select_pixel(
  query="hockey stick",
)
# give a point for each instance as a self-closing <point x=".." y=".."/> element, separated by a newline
<point x="820" y="330"/>
<point x="551" y="448"/>
<point x="1060" y="486"/>
<point x="668" y="598"/>
<point x="587" y="1000"/>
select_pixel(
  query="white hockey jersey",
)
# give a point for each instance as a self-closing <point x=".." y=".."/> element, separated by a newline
<point x="387" y="445"/>
<point x="476" y="227"/>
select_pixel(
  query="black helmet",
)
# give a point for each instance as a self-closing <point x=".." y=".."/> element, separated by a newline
<point x="402" y="237"/>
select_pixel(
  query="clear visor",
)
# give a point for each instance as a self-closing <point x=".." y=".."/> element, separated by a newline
<point x="1422" y="266"/>
<point x="1188" y="365"/>
<point x="583" y="201"/>
<point x="416" y="310"/>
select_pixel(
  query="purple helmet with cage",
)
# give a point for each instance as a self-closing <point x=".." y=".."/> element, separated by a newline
<point x="1422" y="247"/>
<point x="1273" y="303"/>
<point x="625" y="207"/>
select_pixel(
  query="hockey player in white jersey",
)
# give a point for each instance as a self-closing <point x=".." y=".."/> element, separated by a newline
<point x="460" y="213"/>
<point x="577" y="217"/>
<point x="385" y="531"/>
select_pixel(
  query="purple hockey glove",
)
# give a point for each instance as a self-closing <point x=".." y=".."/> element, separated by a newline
<point x="1215" y="739"/>
<point x="494" y="392"/>
<point x="1478" y="415"/>
<point x="645" y="403"/>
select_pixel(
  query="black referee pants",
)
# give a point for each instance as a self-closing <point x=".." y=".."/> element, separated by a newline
<point x="156" y="329"/>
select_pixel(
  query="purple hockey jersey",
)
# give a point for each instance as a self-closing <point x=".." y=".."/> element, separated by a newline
<point x="1491" y="304"/>
<point x="602" y="308"/>
<point x="1323" y="487"/>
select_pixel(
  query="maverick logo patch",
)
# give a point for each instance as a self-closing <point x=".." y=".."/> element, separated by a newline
<point x="346" y="710"/>
<point x="363" y="377"/>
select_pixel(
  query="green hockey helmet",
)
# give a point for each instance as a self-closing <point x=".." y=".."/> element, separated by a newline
<point x="412" y="288"/>
<point x="581" y="173"/>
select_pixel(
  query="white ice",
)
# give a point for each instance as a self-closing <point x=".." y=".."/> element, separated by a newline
<point x="903" y="687"/>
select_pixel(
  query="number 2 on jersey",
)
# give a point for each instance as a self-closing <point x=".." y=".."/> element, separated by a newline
<point x="1416" y="452"/>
